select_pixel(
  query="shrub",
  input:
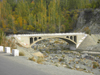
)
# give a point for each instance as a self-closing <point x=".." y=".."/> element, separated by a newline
<point x="21" y="54"/>
<point x="40" y="60"/>
<point x="2" y="36"/>
<point x="56" y="65"/>
<point x="67" y="66"/>
<point x="63" y="56"/>
<point x="60" y="60"/>
<point x="6" y="42"/>
<point x="77" y="62"/>
<point x="98" y="42"/>
<point x="95" y="64"/>
<point x="84" y="69"/>
<point x="87" y="30"/>
<point x="47" y="52"/>
<point x="51" y="61"/>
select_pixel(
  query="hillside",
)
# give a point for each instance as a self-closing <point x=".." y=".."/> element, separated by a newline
<point x="48" y="16"/>
<point x="89" y="21"/>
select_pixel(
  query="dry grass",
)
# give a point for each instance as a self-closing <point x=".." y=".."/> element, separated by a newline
<point x="21" y="54"/>
<point x="19" y="45"/>
<point x="56" y="41"/>
<point x="79" y="69"/>
<point x="77" y="62"/>
<point x="40" y="60"/>
<point x="32" y="59"/>
<point x="87" y="30"/>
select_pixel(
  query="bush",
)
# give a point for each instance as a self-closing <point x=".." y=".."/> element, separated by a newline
<point x="21" y="54"/>
<point x="6" y="42"/>
<point x="95" y="64"/>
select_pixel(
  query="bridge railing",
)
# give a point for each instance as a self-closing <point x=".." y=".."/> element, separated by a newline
<point x="49" y="34"/>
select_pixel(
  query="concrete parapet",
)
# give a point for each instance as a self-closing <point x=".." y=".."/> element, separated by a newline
<point x="1" y="48"/>
<point x="15" y="52"/>
<point x="7" y="49"/>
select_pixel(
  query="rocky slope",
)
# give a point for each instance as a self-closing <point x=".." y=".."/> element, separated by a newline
<point x="56" y="53"/>
<point x="88" y="21"/>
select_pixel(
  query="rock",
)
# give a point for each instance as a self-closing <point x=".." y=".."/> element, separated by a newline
<point x="59" y="52"/>
<point x="71" y="67"/>
<point x="77" y="67"/>
<point x="64" y="65"/>
<point x="84" y="55"/>
<point x="77" y="56"/>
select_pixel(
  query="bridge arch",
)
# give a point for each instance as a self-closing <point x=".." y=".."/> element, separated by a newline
<point x="69" y="40"/>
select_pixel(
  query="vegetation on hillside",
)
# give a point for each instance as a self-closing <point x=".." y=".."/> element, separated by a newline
<point x="6" y="42"/>
<point x="42" y="15"/>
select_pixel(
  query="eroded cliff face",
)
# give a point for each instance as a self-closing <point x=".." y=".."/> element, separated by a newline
<point x="89" y="21"/>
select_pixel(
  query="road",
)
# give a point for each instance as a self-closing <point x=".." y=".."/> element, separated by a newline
<point x="10" y="67"/>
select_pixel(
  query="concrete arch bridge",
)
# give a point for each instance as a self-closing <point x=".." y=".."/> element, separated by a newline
<point x="74" y="39"/>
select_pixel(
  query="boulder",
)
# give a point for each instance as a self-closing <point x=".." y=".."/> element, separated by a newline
<point x="38" y="54"/>
<point x="84" y="55"/>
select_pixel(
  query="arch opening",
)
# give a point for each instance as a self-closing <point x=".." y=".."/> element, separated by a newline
<point x="70" y="42"/>
<point x="75" y="39"/>
<point x="35" y="39"/>
<point x="31" y="40"/>
<point x="40" y="38"/>
<point x="67" y="36"/>
<point x="71" y="37"/>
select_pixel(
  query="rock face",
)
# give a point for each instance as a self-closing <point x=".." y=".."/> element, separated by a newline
<point x="89" y="21"/>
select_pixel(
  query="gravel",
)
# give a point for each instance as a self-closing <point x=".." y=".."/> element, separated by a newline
<point x="71" y="62"/>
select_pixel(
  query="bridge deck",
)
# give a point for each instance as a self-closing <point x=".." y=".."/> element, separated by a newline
<point x="50" y="34"/>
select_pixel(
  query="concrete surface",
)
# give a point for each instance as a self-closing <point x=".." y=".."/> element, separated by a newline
<point x="10" y="65"/>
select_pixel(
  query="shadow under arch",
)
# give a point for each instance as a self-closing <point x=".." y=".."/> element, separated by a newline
<point x="70" y="41"/>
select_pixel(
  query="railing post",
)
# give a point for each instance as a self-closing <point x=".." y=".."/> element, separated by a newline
<point x="7" y="50"/>
<point x="15" y="52"/>
<point x="1" y="48"/>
